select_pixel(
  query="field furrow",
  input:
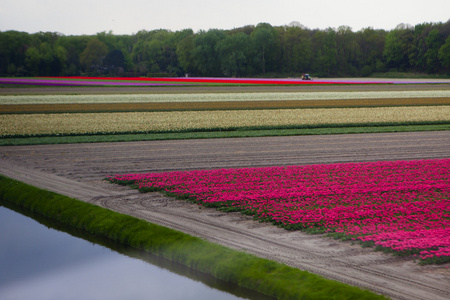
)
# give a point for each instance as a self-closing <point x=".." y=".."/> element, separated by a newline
<point x="216" y="105"/>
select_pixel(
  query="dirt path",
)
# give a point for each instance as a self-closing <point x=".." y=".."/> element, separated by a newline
<point x="77" y="170"/>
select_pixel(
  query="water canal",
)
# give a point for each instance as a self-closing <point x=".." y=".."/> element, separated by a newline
<point x="38" y="261"/>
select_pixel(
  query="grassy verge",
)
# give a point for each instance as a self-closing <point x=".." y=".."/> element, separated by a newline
<point x="265" y="276"/>
<point x="15" y="141"/>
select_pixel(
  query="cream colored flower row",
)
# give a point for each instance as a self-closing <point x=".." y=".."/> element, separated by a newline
<point x="37" y="124"/>
<point x="212" y="97"/>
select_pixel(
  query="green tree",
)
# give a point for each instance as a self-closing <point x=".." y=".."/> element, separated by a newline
<point x="233" y="52"/>
<point x="248" y="29"/>
<point x="397" y="48"/>
<point x="139" y="51"/>
<point x="370" y="50"/>
<point x="45" y="60"/>
<point x="154" y="55"/>
<point x="59" y="60"/>
<point x="325" y="43"/>
<point x="114" y="62"/>
<point x="13" y="46"/>
<point x="108" y="38"/>
<point x="346" y="51"/>
<point x="419" y="47"/>
<point x="124" y="43"/>
<point x="162" y="52"/>
<point x="297" y="50"/>
<point x="147" y="53"/>
<point x="185" y="48"/>
<point x="433" y="42"/>
<point x="92" y="56"/>
<point x="205" y="56"/>
<point x="49" y="38"/>
<point x="265" y="42"/>
<point x="249" y="50"/>
<point x="444" y="54"/>
<point x="156" y="51"/>
<point x="74" y="46"/>
<point x="33" y="60"/>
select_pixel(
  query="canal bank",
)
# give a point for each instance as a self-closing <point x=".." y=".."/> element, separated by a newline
<point x="46" y="260"/>
<point x="265" y="276"/>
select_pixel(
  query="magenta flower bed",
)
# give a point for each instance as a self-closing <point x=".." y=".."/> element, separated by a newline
<point x="400" y="206"/>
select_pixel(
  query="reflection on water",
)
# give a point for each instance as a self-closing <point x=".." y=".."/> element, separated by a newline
<point x="38" y="262"/>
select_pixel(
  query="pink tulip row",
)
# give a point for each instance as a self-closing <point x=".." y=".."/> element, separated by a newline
<point x="403" y="206"/>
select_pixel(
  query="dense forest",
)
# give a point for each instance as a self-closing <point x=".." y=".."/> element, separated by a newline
<point x="261" y="50"/>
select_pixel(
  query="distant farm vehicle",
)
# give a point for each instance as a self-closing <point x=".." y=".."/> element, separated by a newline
<point x="306" y="77"/>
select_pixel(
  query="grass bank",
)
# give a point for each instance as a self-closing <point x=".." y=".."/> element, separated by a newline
<point x="104" y="138"/>
<point x="265" y="276"/>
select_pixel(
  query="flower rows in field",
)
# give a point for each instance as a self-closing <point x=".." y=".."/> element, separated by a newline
<point x="147" y="81"/>
<point x="403" y="206"/>
<point x="216" y="105"/>
<point x="79" y="82"/>
<point x="259" y="81"/>
<point x="215" y="97"/>
<point x="144" y="81"/>
<point x="173" y="121"/>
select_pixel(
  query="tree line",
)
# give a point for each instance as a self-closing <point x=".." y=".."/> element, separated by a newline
<point x="261" y="50"/>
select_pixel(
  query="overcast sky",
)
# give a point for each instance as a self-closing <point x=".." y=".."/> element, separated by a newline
<point x="78" y="17"/>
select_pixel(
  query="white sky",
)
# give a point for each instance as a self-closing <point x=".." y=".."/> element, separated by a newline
<point x="78" y="17"/>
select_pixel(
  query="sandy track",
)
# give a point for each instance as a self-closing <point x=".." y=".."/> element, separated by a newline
<point x="77" y="170"/>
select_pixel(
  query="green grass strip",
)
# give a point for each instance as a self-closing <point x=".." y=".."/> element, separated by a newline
<point x="15" y="141"/>
<point x="262" y="275"/>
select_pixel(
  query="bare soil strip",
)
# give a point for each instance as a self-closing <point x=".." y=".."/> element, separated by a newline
<point x="430" y="85"/>
<point x="77" y="170"/>
<point x="220" y="105"/>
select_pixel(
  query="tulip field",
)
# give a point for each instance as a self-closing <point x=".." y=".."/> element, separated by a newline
<point x="149" y="81"/>
<point x="222" y="97"/>
<point x="171" y="111"/>
<point x="185" y="121"/>
<point x="316" y="175"/>
<point x="140" y="81"/>
<point x="398" y="206"/>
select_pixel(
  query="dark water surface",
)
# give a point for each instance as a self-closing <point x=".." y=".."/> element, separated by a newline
<point x="39" y="262"/>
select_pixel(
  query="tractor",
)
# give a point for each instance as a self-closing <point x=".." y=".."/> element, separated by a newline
<point x="306" y="77"/>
